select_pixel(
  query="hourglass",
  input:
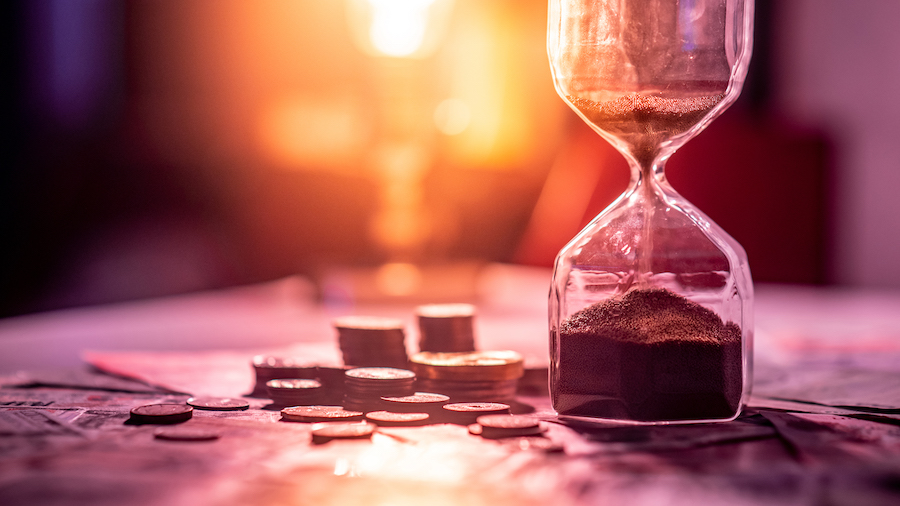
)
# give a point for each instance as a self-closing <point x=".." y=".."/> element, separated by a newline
<point x="651" y="304"/>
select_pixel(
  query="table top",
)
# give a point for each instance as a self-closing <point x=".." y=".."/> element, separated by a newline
<point x="823" y="425"/>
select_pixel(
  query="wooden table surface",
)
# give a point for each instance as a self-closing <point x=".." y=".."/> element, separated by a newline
<point x="823" y="426"/>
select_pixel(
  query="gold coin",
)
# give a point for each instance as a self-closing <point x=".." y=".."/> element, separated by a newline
<point x="468" y="366"/>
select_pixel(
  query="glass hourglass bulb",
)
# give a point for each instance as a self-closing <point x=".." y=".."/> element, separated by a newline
<point x="650" y="304"/>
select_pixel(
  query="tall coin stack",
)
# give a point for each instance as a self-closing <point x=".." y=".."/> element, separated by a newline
<point x="477" y="376"/>
<point x="365" y="386"/>
<point x="371" y="341"/>
<point x="446" y="327"/>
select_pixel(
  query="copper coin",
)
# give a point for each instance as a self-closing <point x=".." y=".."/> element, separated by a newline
<point x="218" y="403"/>
<point x="499" y="426"/>
<point x="419" y="398"/>
<point x="508" y="422"/>
<point x="162" y="413"/>
<point x="388" y="418"/>
<point x="380" y="374"/>
<point x="481" y="408"/>
<point x="467" y="412"/>
<point x="319" y="414"/>
<point x="342" y="430"/>
<point x="181" y="433"/>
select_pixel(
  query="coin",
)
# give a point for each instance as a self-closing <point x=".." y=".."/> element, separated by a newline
<point x="269" y="367"/>
<point x="293" y="383"/>
<point x="161" y="413"/>
<point x="181" y="433"/>
<point x="468" y="366"/>
<point x="380" y="374"/>
<point x="319" y="414"/>
<point x="446" y="327"/>
<point x="294" y="392"/>
<point x="218" y="403"/>
<point x="465" y="413"/>
<point x="322" y="432"/>
<point x="371" y="341"/>
<point x="418" y="402"/>
<point x="390" y="419"/>
<point x="498" y="426"/>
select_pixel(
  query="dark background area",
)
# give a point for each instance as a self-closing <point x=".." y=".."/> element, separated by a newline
<point x="93" y="210"/>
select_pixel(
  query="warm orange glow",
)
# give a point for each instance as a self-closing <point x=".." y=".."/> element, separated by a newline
<point x="398" y="279"/>
<point x="452" y="116"/>
<point x="300" y="132"/>
<point x="399" y="28"/>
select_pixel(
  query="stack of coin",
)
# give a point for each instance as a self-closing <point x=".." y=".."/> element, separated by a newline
<point x="371" y="341"/>
<point x="270" y="367"/>
<point x="479" y="376"/>
<point x="446" y="327"/>
<point x="294" y="392"/>
<point x="365" y="386"/>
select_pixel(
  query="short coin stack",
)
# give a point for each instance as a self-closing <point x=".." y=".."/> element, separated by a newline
<point x="370" y="341"/>
<point x="446" y="327"/>
<point x="478" y="376"/>
<point x="270" y="367"/>
<point x="365" y="386"/>
<point x="294" y="392"/>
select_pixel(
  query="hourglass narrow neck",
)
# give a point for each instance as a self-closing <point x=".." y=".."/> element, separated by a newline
<point x="647" y="173"/>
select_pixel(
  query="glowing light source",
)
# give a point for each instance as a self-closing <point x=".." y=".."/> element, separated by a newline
<point x="398" y="28"/>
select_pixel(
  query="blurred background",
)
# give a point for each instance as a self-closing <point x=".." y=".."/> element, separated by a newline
<point x="155" y="148"/>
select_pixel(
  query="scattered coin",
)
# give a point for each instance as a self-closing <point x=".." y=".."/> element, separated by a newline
<point x="416" y="403"/>
<point x="499" y="426"/>
<point x="322" y="432"/>
<point x="446" y="327"/>
<point x="181" y="433"/>
<point x="389" y="419"/>
<point x="311" y="414"/>
<point x="465" y="413"/>
<point x="218" y="403"/>
<point x="161" y="413"/>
